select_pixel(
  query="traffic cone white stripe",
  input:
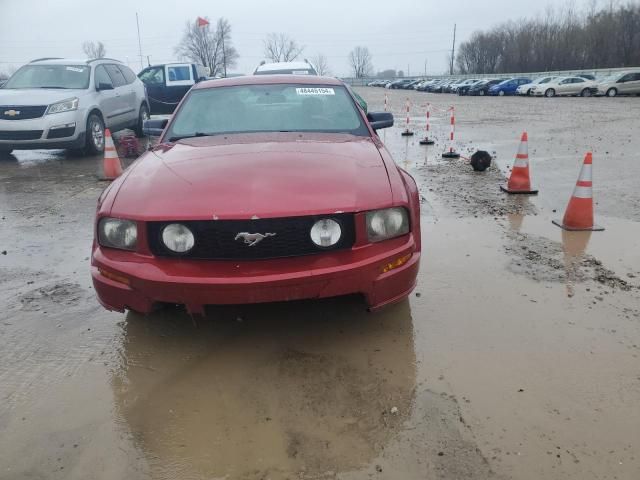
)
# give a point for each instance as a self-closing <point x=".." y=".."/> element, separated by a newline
<point x="586" y="174"/>
<point x="582" y="192"/>
<point x="521" y="162"/>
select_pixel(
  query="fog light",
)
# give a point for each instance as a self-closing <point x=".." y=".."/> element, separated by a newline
<point x="326" y="233"/>
<point x="398" y="262"/>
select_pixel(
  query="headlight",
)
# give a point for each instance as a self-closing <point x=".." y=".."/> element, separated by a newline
<point x="388" y="223"/>
<point x="326" y="232"/>
<point x="118" y="233"/>
<point x="64" y="106"/>
<point x="178" y="238"/>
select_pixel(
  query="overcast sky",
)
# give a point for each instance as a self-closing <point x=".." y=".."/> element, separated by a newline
<point x="401" y="34"/>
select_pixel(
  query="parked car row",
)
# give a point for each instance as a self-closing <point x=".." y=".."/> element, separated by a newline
<point x="585" y="85"/>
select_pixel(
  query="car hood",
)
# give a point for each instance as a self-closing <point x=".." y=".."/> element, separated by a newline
<point x="249" y="176"/>
<point x="35" y="96"/>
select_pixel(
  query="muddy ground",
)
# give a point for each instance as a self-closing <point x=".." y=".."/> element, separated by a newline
<point x="516" y="358"/>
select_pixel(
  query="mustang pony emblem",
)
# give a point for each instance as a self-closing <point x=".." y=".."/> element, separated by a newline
<point x="252" y="239"/>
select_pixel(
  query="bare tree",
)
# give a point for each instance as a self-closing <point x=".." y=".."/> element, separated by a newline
<point x="7" y="72"/>
<point x="94" y="50"/>
<point x="561" y="39"/>
<point x="211" y="48"/>
<point x="226" y="55"/>
<point x="321" y="64"/>
<point x="360" y="62"/>
<point x="279" y="47"/>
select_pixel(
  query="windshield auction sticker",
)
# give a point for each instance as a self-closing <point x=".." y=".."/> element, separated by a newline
<point x="315" y="91"/>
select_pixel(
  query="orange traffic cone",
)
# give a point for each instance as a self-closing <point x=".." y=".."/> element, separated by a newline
<point x="579" y="213"/>
<point x="111" y="166"/>
<point x="519" y="181"/>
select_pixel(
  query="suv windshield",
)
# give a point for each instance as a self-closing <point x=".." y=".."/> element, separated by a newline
<point x="51" y="76"/>
<point x="267" y="108"/>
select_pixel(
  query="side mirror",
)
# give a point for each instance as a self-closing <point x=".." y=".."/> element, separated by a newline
<point x="379" y="120"/>
<point x="154" y="127"/>
<point x="104" y="86"/>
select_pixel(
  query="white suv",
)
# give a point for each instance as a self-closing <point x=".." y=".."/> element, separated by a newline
<point x="60" y="103"/>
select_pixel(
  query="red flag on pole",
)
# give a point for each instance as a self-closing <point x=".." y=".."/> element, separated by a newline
<point x="202" y="22"/>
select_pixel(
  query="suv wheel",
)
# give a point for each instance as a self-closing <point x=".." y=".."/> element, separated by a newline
<point x="612" y="92"/>
<point x="550" y="93"/>
<point x="142" y="116"/>
<point x="95" y="135"/>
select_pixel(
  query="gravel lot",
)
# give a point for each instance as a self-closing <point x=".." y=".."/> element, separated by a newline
<point x="517" y="357"/>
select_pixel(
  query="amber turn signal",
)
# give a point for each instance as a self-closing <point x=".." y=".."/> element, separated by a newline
<point x="114" y="276"/>
<point x="398" y="262"/>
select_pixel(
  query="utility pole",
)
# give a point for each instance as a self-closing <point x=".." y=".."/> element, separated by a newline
<point x="224" y="54"/>
<point x="425" y="67"/>
<point x="453" y="50"/>
<point x="139" y="42"/>
<point x="408" y="70"/>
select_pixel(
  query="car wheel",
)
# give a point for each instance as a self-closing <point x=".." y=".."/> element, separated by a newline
<point x="95" y="135"/>
<point x="142" y="116"/>
<point x="550" y="93"/>
<point x="585" y="93"/>
<point x="501" y="93"/>
<point x="529" y="93"/>
<point x="481" y="93"/>
<point x="612" y="92"/>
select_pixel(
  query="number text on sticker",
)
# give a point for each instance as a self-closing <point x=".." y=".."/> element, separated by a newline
<point x="315" y="91"/>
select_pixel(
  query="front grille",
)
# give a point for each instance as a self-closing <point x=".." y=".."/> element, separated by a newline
<point x="215" y="239"/>
<point x="20" y="134"/>
<point x="21" y="112"/>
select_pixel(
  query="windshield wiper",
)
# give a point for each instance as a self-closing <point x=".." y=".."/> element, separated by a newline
<point x="197" y="134"/>
<point x="59" y="88"/>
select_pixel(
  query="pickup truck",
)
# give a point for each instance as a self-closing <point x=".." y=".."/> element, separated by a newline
<point x="167" y="83"/>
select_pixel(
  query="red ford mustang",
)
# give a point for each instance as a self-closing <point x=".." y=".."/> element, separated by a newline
<point x="261" y="189"/>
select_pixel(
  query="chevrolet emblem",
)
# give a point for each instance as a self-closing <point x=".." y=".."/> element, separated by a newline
<point x="11" y="113"/>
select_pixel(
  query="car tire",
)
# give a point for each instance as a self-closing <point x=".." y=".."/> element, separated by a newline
<point x="481" y="93"/>
<point x="95" y="136"/>
<point x="529" y="93"/>
<point x="612" y="92"/>
<point x="550" y="92"/>
<point x="143" y="115"/>
<point x="585" y="93"/>
<point x="501" y="93"/>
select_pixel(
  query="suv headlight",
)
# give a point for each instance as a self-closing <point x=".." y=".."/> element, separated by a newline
<point x="118" y="233"/>
<point x="387" y="223"/>
<point x="63" y="106"/>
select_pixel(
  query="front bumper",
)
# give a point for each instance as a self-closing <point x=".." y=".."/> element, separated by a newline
<point x="144" y="282"/>
<point x="44" y="132"/>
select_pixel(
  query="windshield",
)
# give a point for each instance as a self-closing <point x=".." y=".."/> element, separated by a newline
<point x="267" y="108"/>
<point x="51" y="76"/>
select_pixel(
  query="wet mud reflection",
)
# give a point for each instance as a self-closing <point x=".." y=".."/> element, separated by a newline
<point x="266" y="388"/>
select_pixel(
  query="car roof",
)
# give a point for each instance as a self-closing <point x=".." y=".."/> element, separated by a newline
<point x="267" y="67"/>
<point x="269" y="80"/>
<point x="71" y="61"/>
